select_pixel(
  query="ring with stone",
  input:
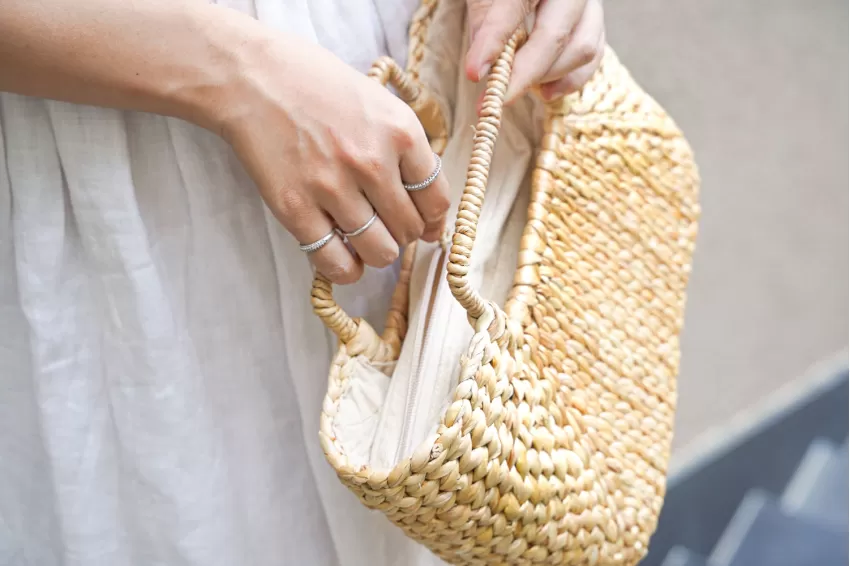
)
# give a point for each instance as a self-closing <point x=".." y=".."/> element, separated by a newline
<point x="363" y="228"/>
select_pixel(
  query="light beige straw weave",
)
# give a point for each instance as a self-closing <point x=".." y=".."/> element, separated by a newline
<point x="554" y="446"/>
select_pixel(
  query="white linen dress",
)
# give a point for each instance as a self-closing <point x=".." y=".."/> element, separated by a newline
<point x="161" y="372"/>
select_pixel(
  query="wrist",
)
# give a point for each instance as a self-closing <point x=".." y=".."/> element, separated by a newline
<point x="200" y="90"/>
<point x="210" y="88"/>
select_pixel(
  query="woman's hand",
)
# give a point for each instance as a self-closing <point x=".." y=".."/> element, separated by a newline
<point x="327" y="146"/>
<point x="324" y="144"/>
<point x="562" y="52"/>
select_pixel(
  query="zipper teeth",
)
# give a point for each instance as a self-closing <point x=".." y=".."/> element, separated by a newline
<point x="412" y="394"/>
<point x="413" y="387"/>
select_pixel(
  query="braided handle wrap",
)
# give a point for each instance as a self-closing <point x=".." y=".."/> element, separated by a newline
<point x="346" y="328"/>
<point x="469" y="211"/>
<point x="327" y="309"/>
<point x="386" y="71"/>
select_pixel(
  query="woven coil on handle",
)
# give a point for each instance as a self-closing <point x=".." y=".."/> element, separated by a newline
<point x="346" y="329"/>
<point x="469" y="211"/>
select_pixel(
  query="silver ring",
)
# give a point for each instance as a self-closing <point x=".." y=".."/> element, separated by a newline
<point x="427" y="182"/>
<point x="362" y="228"/>
<point x="318" y="244"/>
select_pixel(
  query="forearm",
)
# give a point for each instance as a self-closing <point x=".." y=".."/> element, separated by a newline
<point x="173" y="57"/>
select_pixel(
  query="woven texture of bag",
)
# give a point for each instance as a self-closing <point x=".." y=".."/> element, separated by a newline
<point x="554" y="447"/>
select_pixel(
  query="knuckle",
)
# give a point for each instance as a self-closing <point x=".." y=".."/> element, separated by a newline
<point x="385" y="256"/>
<point x="371" y="164"/>
<point x="325" y="181"/>
<point x="585" y="51"/>
<point x="292" y="201"/>
<point x="437" y="207"/>
<point x="405" y="130"/>
<point x="366" y="160"/>
<point x="413" y="231"/>
<point x="560" y="37"/>
<point x="295" y="207"/>
<point x="348" y="154"/>
<point x="343" y="273"/>
<point x="329" y="190"/>
<point x="403" y="139"/>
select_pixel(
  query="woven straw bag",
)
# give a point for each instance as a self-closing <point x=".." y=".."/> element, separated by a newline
<point x="546" y="441"/>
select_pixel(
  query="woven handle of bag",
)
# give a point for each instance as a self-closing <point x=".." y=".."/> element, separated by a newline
<point x="469" y="211"/>
<point x="385" y="70"/>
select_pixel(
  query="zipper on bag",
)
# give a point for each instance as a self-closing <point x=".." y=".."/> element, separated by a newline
<point x="414" y="386"/>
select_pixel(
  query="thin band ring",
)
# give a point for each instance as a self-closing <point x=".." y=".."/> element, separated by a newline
<point x="427" y="182"/>
<point x="318" y="244"/>
<point x="363" y="228"/>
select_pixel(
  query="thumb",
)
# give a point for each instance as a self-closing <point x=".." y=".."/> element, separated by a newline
<point x="491" y="24"/>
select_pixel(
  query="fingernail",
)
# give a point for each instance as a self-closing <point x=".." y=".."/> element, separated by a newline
<point x="482" y="72"/>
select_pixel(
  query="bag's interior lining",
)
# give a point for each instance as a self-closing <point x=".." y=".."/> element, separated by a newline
<point x="382" y="419"/>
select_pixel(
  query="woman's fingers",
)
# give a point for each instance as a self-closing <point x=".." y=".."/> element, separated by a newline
<point x="337" y="263"/>
<point x="374" y="244"/>
<point x="330" y="155"/>
<point x="584" y="45"/>
<point x="384" y="190"/>
<point x="491" y="23"/>
<point x="549" y="42"/>
<point x="308" y="224"/>
<point x="418" y="164"/>
<point x="378" y="169"/>
<point x="433" y="203"/>
<point x="561" y="53"/>
<point x="573" y="80"/>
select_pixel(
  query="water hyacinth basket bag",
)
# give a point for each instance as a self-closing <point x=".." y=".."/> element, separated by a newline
<point x="517" y="407"/>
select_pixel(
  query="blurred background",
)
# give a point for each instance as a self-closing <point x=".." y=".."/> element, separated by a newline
<point x="760" y="87"/>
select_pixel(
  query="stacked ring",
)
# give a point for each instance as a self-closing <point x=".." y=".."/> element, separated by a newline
<point x="362" y="228"/>
<point x="324" y="240"/>
<point x="427" y="182"/>
<point x="318" y="244"/>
